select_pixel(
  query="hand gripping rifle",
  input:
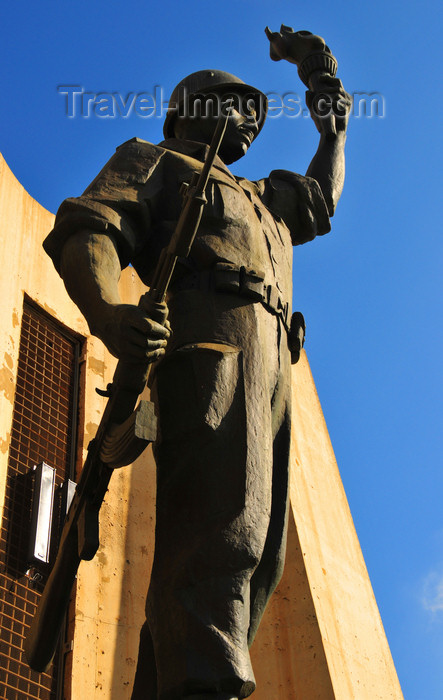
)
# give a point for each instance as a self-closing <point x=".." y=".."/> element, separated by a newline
<point x="122" y="435"/>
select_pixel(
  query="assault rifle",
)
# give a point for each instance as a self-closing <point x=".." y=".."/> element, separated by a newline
<point x="122" y="435"/>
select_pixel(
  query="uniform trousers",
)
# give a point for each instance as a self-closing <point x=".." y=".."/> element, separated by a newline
<point x="223" y="401"/>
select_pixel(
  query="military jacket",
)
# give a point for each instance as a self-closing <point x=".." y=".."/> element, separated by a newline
<point x="136" y="200"/>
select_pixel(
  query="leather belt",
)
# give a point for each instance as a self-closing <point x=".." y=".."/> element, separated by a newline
<point x="230" y="279"/>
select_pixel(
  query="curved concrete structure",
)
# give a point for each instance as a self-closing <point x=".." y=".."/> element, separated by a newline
<point x="322" y="637"/>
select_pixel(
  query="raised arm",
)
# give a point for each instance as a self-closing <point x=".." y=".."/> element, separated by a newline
<point x="327" y="101"/>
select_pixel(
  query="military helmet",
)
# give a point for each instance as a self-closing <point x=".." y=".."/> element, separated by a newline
<point x="205" y="82"/>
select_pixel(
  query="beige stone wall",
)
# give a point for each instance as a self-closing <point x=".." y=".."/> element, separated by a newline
<point x="103" y="622"/>
<point x="322" y="637"/>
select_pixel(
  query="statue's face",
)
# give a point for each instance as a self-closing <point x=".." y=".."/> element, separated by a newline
<point x="241" y="129"/>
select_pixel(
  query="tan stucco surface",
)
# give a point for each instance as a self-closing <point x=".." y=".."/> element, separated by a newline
<point x="322" y="637"/>
<point x="24" y="269"/>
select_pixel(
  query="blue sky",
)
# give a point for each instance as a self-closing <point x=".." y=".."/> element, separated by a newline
<point x="370" y="291"/>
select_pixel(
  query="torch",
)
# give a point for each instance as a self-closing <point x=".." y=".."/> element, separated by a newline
<point x="314" y="61"/>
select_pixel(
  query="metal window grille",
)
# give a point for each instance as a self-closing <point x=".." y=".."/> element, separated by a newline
<point x="43" y="429"/>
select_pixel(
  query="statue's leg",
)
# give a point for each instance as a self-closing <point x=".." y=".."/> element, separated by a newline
<point x="270" y="569"/>
<point x="214" y="466"/>
<point x="211" y="696"/>
<point x="145" y="683"/>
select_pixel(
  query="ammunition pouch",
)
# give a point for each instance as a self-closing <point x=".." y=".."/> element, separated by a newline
<point x="296" y="336"/>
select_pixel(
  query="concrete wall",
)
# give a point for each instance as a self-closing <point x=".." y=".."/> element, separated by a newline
<point x="322" y="637"/>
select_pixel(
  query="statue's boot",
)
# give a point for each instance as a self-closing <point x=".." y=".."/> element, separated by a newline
<point x="211" y="696"/>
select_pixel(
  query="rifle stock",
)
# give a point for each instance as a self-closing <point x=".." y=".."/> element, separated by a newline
<point x="41" y="641"/>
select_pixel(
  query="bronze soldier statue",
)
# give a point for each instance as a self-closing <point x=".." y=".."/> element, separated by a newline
<point x="222" y="375"/>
